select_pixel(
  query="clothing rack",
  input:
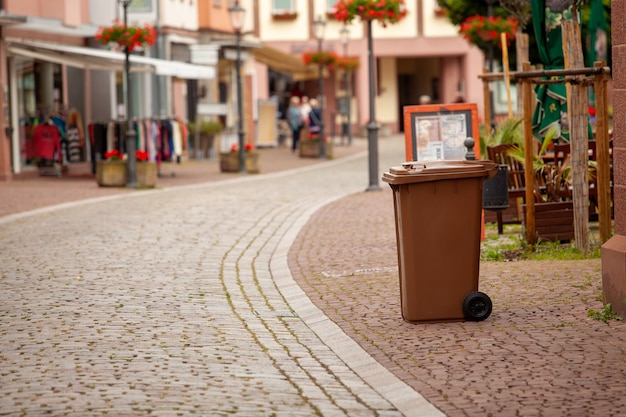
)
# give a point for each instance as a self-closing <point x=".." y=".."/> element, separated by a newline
<point x="165" y="139"/>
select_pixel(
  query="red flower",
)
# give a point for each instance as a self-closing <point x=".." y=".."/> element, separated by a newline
<point x="485" y="31"/>
<point x="130" y="37"/>
<point x="234" y="147"/>
<point x="141" y="156"/>
<point x="320" y="58"/>
<point x="113" y="155"/>
<point x="387" y="11"/>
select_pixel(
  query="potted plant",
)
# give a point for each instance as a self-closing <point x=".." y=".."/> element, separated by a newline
<point x="146" y="170"/>
<point x="310" y="147"/>
<point x="554" y="211"/>
<point x="323" y="58"/>
<point x="389" y="11"/>
<point x="205" y="131"/>
<point x="347" y="63"/>
<point x="484" y="32"/>
<point x="126" y="36"/>
<point x="229" y="161"/>
<point x="112" y="170"/>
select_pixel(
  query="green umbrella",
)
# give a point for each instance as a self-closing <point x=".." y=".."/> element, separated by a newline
<point x="598" y="34"/>
<point x="551" y="108"/>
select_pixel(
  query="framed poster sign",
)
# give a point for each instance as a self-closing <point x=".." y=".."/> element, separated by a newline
<point x="438" y="132"/>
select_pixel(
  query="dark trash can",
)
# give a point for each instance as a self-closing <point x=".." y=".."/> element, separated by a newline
<point x="438" y="212"/>
<point x="496" y="190"/>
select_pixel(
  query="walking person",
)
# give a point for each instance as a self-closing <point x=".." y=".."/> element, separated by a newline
<point x="295" y="120"/>
<point x="315" y="117"/>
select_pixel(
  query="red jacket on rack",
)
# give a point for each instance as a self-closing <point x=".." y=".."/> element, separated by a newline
<point x="47" y="141"/>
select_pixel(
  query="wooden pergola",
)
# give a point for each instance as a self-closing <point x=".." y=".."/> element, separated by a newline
<point x="578" y="80"/>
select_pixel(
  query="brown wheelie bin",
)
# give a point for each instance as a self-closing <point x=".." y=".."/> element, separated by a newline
<point x="438" y="212"/>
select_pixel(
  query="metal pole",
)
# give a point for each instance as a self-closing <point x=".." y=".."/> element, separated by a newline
<point x="372" y="126"/>
<point x="321" y="101"/>
<point x="242" y="150"/>
<point x="131" y="142"/>
<point x="492" y="122"/>
<point x="346" y="75"/>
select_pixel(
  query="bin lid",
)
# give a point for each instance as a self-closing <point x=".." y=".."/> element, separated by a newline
<point x="421" y="171"/>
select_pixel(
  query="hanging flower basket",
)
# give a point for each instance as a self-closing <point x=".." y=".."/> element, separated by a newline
<point x="324" y="58"/>
<point x="384" y="11"/>
<point x="347" y="63"/>
<point x="130" y="37"/>
<point x="485" y="31"/>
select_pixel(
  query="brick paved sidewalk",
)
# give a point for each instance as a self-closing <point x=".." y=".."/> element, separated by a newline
<point x="538" y="354"/>
<point x="32" y="191"/>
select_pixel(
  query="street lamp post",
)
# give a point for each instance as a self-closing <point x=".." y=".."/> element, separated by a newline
<point x="345" y="38"/>
<point x="236" y="19"/>
<point x="131" y="139"/>
<point x="319" y="25"/>
<point x="372" y="126"/>
<point x="490" y="66"/>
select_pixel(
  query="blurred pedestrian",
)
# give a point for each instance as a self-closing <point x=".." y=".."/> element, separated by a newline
<point x="295" y="120"/>
<point x="315" y="118"/>
<point x="425" y="99"/>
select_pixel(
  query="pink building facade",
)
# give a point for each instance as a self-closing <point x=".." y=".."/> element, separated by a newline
<point x="614" y="251"/>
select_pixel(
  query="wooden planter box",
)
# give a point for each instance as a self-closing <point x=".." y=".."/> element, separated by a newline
<point x="111" y="173"/>
<point x="554" y="222"/>
<point x="146" y="174"/>
<point x="229" y="162"/>
<point x="311" y="149"/>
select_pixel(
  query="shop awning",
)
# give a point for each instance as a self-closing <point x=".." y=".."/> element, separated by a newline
<point x="285" y="63"/>
<point x="92" y="58"/>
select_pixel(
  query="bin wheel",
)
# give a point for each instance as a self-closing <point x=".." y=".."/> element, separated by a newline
<point x="477" y="306"/>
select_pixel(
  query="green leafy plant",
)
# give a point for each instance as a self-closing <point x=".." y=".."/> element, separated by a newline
<point x="555" y="178"/>
<point x="605" y="314"/>
<point x="207" y="127"/>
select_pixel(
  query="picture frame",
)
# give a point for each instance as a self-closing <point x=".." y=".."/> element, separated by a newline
<point x="438" y="131"/>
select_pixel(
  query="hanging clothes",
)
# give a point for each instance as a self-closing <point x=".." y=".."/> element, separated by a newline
<point x="75" y="137"/>
<point x="48" y="143"/>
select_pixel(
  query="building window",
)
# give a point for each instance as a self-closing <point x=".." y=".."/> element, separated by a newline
<point x="330" y="6"/>
<point x="281" y="6"/>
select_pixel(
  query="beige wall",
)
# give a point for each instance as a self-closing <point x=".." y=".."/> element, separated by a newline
<point x="435" y="26"/>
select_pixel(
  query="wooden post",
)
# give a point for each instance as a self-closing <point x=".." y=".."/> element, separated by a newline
<point x="578" y="118"/>
<point x="603" y="159"/>
<point x="507" y="77"/>
<point x="521" y="56"/>
<point x="487" y="102"/>
<point x="529" y="151"/>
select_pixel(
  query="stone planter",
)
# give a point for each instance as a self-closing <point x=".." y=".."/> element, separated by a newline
<point x="311" y="149"/>
<point x="229" y="162"/>
<point x="146" y="174"/>
<point x="111" y="173"/>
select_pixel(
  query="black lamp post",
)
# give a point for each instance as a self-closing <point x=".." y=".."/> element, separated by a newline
<point x="345" y="38"/>
<point x="131" y="139"/>
<point x="236" y="19"/>
<point x="319" y="25"/>
<point x="372" y="126"/>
